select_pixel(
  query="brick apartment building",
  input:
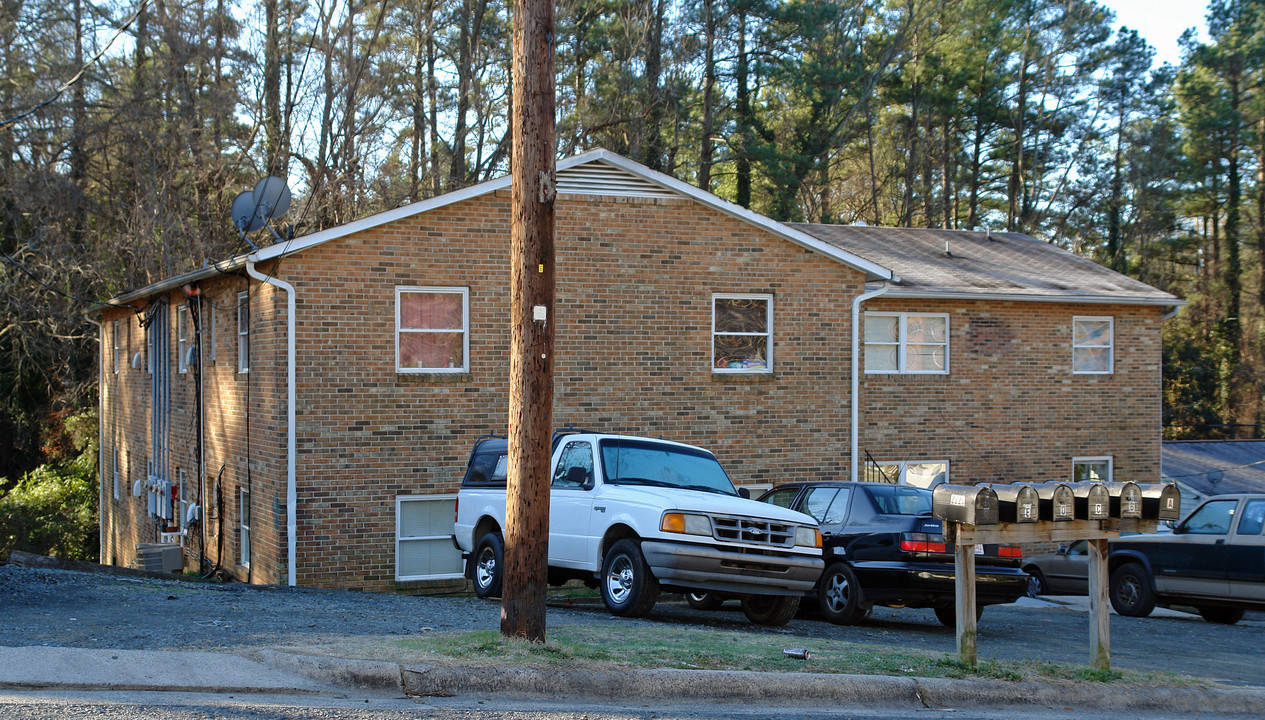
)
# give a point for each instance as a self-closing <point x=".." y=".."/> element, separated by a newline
<point x="978" y="358"/>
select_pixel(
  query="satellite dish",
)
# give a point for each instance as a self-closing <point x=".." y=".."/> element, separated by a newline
<point x="272" y="197"/>
<point x="244" y="215"/>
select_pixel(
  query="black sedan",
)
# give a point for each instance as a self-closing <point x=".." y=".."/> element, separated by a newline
<point x="883" y="547"/>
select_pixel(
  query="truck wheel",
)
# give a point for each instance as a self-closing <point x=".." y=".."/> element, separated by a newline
<point x="948" y="614"/>
<point x="839" y="595"/>
<point x="1131" y="593"/>
<point x="1221" y="615"/>
<point x="628" y="587"/>
<point x="771" y="610"/>
<point x="489" y="566"/>
<point x="704" y="601"/>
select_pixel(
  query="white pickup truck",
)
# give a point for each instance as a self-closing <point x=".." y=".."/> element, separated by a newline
<point x="635" y="516"/>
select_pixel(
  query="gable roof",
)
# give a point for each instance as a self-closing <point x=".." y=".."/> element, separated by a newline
<point x="986" y="266"/>
<point x="597" y="172"/>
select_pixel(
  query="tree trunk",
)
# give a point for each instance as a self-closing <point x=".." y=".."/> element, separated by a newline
<point x="743" y="154"/>
<point x="709" y="90"/>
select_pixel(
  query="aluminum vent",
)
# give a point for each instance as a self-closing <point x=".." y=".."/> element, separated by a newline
<point x="595" y="178"/>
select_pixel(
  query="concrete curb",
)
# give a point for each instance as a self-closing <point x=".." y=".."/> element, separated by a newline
<point x="358" y="674"/>
<point x="738" y="686"/>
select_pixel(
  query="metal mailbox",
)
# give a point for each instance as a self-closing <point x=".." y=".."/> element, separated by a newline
<point x="967" y="504"/>
<point x="1092" y="501"/>
<point x="1126" y="500"/>
<point x="1016" y="503"/>
<point x="1057" y="501"/>
<point x="1161" y="501"/>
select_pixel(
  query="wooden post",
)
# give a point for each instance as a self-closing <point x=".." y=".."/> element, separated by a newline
<point x="532" y="322"/>
<point x="964" y="596"/>
<point x="1099" y="616"/>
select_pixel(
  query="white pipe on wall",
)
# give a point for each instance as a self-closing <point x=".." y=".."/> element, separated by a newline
<point x="291" y="490"/>
<point x="856" y="368"/>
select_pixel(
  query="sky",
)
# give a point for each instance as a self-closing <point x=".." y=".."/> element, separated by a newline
<point x="1161" y="22"/>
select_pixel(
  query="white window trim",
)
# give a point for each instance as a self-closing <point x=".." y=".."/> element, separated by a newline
<point x="903" y="465"/>
<point x="116" y="472"/>
<point x="243" y="528"/>
<point x="1111" y="465"/>
<point x="399" y="501"/>
<point x="114" y="339"/>
<point x="149" y="348"/>
<point x="768" y="335"/>
<point x="182" y="343"/>
<point x="243" y="331"/>
<point x="465" y="329"/>
<point x="902" y="343"/>
<point x="1111" y="344"/>
<point x="211" y="329"/>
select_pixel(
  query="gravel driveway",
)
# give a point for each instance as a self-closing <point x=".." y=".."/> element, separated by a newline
<point x="77" y="609"/>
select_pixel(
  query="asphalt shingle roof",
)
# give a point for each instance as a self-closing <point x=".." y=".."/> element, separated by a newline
<point x="1002" y="263"/>
<point x="1239" y="465"/>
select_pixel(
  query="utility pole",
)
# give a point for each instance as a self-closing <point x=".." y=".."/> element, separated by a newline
<point x="531" y="322"/>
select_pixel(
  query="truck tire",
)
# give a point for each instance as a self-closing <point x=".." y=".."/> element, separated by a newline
<point x="839" y="595"/>
<point x="704" y="601"/>
<point x="628" y="587"/>
<point x="1131" y="593"/>
<point x="488" y="566"/>
<point x="1220" y="615"/>
<point x="770" y="610"/>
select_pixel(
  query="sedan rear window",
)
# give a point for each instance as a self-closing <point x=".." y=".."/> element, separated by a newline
<point x="898" y="500"/>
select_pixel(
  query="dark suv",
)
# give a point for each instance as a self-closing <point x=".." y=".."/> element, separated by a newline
<point x="1213" y="560"/>
<point x="883" y="547"/>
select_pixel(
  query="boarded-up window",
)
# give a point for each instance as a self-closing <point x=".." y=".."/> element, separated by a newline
<point x="431" y="330"/>
<point x="423" y="538"/>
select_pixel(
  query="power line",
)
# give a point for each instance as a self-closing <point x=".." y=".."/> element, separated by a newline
<point x="68" y="296"/>
<point x="66" y="85"/>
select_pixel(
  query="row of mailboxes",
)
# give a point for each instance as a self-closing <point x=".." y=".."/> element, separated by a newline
<point x="1058" y="502"/>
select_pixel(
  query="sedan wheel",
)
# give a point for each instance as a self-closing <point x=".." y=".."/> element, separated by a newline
<point x="839" y="595"/>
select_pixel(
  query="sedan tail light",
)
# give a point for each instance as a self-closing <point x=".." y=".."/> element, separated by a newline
<point x="922" y="542"/>
<point x="1009" y="551"/>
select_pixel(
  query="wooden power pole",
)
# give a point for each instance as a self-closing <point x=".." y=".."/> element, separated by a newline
<point x="531" y="322"/>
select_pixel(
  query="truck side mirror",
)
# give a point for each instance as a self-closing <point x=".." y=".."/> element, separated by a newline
<point x="743" y="492"/>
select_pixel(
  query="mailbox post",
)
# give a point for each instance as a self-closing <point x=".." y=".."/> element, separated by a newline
<point x="969" y="520"/>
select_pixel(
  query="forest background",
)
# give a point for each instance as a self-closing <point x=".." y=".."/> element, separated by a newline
<point x="126" y="129"/>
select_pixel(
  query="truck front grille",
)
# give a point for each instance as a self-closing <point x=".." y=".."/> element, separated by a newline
<point x="753" y="530"/>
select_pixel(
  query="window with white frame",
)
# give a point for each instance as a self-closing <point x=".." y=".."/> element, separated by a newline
<point x="182" y="340"/>
<point x="923" y="473"/>
<point x="114" y="344"/>
<point x="912" y="343"/>
<point x="149" y="347"/>
<point x="432" y="329"/>
<point x="243" y="331"/>
<point x="116" y="473"/>
<point x="1091" y="469"/>
<point x="742" y="333"/>
<point x="1093" y="341"/>
<point x="210" y="329"/>
<point x="423" y="538"/>
<point x="243" y="528"/>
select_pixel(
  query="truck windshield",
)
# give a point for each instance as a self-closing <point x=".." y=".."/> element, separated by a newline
<point x="637" y="462"/>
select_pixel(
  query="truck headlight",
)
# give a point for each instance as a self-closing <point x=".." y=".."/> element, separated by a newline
<point x="808" y="537"/>
<point x="686" y="523"/>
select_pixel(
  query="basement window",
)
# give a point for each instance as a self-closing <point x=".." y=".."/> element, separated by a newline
<point x="1091" y="469"/>
<point x="1093" y="345"/>
<point x="243" y="529"/>
<point x="922" y="474"/>
<point x="742" y="333"/>
<point x="432" y="330"/>
<point x="423" y="538"/>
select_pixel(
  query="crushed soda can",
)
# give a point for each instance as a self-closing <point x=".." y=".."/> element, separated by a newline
<point x="797" y="653"/>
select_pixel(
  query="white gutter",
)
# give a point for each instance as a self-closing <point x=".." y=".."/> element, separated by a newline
<point x="1169" y="315"/>
<point x="856" y="367"/>
<point x="291" y="491"/>
<point x="100" y="438"/>
<point x="1030" y="297"/>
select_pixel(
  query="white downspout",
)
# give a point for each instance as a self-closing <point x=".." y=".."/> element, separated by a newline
<point x="291" y="491"/>
<point x="856" y="368"/>
<point x="100" y="438"/>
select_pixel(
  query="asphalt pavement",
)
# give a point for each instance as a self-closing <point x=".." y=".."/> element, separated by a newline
<point x="257" y="668"/>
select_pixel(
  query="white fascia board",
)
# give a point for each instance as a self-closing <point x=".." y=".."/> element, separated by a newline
<point x="897" y="292"/>
<point x="873" y="270"/>
<point x="220" y="268"/>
